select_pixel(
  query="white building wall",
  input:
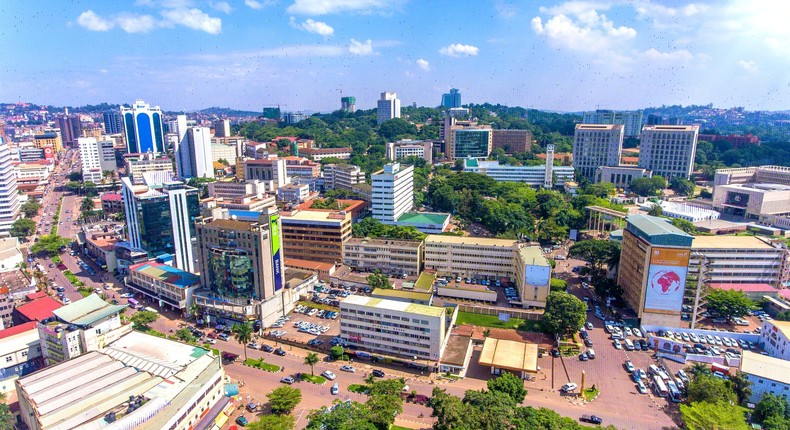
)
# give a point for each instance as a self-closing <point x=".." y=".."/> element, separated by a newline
<point x="393" y="192"/>
<point x="89" y="157"/>
<point x="9" y="199"/>
<point x="669" y="150"/>
<point x="388" y="107"/>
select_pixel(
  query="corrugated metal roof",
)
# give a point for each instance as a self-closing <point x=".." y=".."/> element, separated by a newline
<point x="657" y="231"/>
<point x="87" y="311"/>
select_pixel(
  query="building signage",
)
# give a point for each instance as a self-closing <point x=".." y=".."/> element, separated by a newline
<point x="274" y="227"/>
<point x="666" y="279"/>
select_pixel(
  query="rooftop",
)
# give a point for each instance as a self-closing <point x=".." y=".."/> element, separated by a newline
<point x="167" y="274"/>
<point x="729" y="242"/>
<point x="19" y="328"/>
<point x="87" y="311"/>
<point x="670" y="127"/>
<point x="598" y="126"/>
<point x="456" y="349"/>
<point x="468" y="240"/>
<point x="747" y="288"/>
<point x="423" y="218"/>
<point x="657" y="231"/>
<point x="39" y="309"/>
<point x="414" y="308"/>
<point x="509" y="354"/>
<point x="111" y="197"/>
<point x="316" y="216"/>
<point x="533" y="256"/>
<point x="381" y="241"/>
<point x="767" y="367"/>
<point x="383" y="293"/>
<point x="306" y="264"/>
<point x="783" y="326"/>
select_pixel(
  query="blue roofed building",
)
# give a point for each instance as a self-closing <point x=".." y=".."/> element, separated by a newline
<point x="163" y="285"/>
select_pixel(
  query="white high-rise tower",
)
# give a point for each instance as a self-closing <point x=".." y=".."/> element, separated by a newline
<point x="9" y="200"/>
<point x="393" y="192"/>
<point x="388" y="107"/>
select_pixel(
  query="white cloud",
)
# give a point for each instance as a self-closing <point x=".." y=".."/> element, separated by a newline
<point x="316" y="27"/>
<point x="749" y="66"/>
<point x="325" y="7"/>
<point x="505" y="10"/>
<point x="195" y="19"/>
<point x="136" y="23"/>
<point x="93" y="22"/>
<point x="423" y="64"/>
<point x="359" y="48"/>
<point x="257" y="5"/>
<point x="589" y="31"/>
<point x="679" y="56"/>
<point x="459" y="50"/>
<point x="221" y="6"/>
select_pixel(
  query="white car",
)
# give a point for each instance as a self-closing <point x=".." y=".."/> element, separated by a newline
<point x="637" y="332"/>
<point x="617" y="344"/>
<point x="570" y="386"/>
<point x="694" y="337"/>
<point x="685" y="336"/>
<point x="329" y="375"/>
<point x="628" y="331"/>
<point x="348" y="369"/>
<point x="629" y="366"/>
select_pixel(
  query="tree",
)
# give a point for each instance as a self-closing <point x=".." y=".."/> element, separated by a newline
<point x="243" y="334"/>
<point x="648" y="187"/>
<point x="383" y="409"/>
<point x="601" y="189"/>
<point x="193" y="310"/>
<point x="73" y="186"/>
<point x="741" y="386"/>
<point x="6" y="417"/>
<point x="337" y="352"/>
<point x="75" y="176"/>
<point x="655" y="210"/>
<point x="273" y="422"/>
<point x="86" y="205"/>
<point x="564" y="313"/>
<point x="142" y="319"/>
<point x="728" y="303"/>
<point x="379" y="280"/>
<point x="23" y="227"/>
<point x="712" y="416"/>
<point x="558" y="285"/>
<point x="342" y="416"/>
<point x="771" y="405"/>
<point x="90" y="189"/>
<point x="284" y="399"/>
<point x="707" y="388"/>
<point x="509" y="384"/>
<point x="311" y="359"/>
<point x="51" y="244"/>
<point x="597" y="252"/>
<point x="685" y="225"/>
<point x="386" y="386"/>
<point x="185" y="334"/>
<point x="682" y="186"/>
<point x="30" y="208"/>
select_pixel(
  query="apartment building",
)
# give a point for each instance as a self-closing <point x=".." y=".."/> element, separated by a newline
<point x="669" y="150"/>
<point x="740" y="260"/>
<point x="512" y="141"/>
<point x="315" y="235"/>
<point x="389" y="256"/>
<point x="394" y="327"/>
<point x="343" y="176"/>
<point x="319" y="154"/>
<point x="631" y="120"/>
<point x="596" y="145"/>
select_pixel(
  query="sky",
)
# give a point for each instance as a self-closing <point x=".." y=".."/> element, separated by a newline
<point x="306" y="54"/>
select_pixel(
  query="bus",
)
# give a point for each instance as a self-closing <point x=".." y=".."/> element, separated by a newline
<point x="134" y="303"/>
<point x="660" y="386"/>
<point x="674" y="392"/>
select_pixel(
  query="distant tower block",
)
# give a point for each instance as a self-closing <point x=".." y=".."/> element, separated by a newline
<point x="348" y="104"/>
<point x="547" y="180"/>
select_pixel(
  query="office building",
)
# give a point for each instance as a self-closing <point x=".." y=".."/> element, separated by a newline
<point x="630" y="120"/>
<point x="684" y="211"/>
<point x="294" y="117"/>
<point x="139" y="164"/>
<point x="753" y="192"/>
<point x="410" y="148"/>
<point x="653" y="267"/>
<point x="534" y="176"/>
<point x="302" y="168"/>
<point x="89" y="157"/>
<point x="107" y="159"/>
<point x="740" y="260"/>
<point x="733" y="139"/>
<point x="315" y="235"/>
<point x="669" y="150"/>
<point x="342" y="176"/>
<point x="70" y="128"/>
<point x="391" y="256"/>
<point x="27" y="154"/>
<point x="393" y="192"/>
<point x="9" y="197"/>
<point x="388" y="107"/>
<point x="137" y="381"/>
<point x="620" y="176"/>
<point x="753" y="175"/>
<point x="33" y="171"/>
<point x="160" y="215"/>
<point x="271" y="171"/>
<point x="511" y="141"/>
<point x="224" y="152"/>
<point x="452" y="99"/>
<point x="394" y="327"/>
<point x="112" y="122"/>
<point x="164" y="285"/>
<point x="231" y="189"/>
<point x="193" y="154"/>
<point x="767" y="375"/>
<point x="293" y="193"/>
<point x="469" y="142"/>
<point x="126" y="255"/>
<point x="775" y="339"/>
<point x="222" y="128"/>
<point x="51" y="139"/>
<point x="318" y="154"/>
<point x="20" y="353"/>
<point x="596" y="145"/>
<point x="142" y="128"/>
<point x="348" y="104"/>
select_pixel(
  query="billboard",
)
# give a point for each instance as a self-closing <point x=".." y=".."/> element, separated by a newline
<point x="277" y="267"/>
<point x="666" y="279"/>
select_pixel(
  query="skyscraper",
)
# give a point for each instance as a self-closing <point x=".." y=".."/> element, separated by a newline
<point x="9" y="200"/>
<point x="142" y="128"/>
<point x="469" y="141"/>
<point x="596" y="145"/>
<point x="160" y="216"/>
<point x="393" y="192"/>
<point x="388" y="107"/>
<point x="112" y="122"/>
<point x="630" y="119"/>
<point x="70" y="128"/>
<point x="669" y="150"/>
<point x="193" y="154"/>
<point x="90" y="157"/>
<point x="348" y="104"/>
<point x="452" y="99"/>
<point x="222" y="128"/>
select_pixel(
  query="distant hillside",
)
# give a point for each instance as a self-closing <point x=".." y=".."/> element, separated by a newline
<point x="228" y="112"/>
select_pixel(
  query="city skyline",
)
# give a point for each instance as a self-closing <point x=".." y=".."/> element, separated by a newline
<point x="306" y="54"/>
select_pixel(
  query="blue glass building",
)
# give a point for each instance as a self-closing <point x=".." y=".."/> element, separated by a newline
<point x="142" y="128"/>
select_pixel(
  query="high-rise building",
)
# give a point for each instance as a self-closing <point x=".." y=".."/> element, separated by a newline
<point x="393" y="192"/>
<point x="596" y="145"/>
<point x="342" y="176"/>
<point x="137" y="164"/>
<point x="107" y="159"/>
<point x="9" y="199"/>
<point x="70" y="128"/>
<point x="142" y="128"/>
<point x="512" y="141"/>
<point x="222" y="128"/>
<point x="112" y="122"/>
<point x="193" y="154"/>
<point x="160" y="216"/>
<point x="50" y="138"/>
<point x="90" y="158"/>
<point x="467" y="141"/>
<point x="669" y="150"/>
<point x="315" y="235"/>
<point x="241" y="259"/>
<point x="452" y="99"/>
<point x="272" y="171"/>
<point x="630" y="120"/>
<point x="348" y="104"/>
<point x="388" y="107"/>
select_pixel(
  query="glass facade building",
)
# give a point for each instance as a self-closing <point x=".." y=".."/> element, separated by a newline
<point x="472" y="143"/>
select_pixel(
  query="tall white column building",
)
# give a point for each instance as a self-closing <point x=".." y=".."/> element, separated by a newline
<point x="596" y="145"/>
<point x="9" y="200"/>
<point x="388" y="107"/>
<point x="91" y="159"/>
<point x="669" y="150"/>
<point x="393" y="192"/>
<point x="193" y="155"/>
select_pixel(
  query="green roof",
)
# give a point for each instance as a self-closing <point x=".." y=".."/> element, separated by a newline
<point x="87" y="311"/>
<point x="423" y="218"/>
<point x="433" y="311"/>
<point x="412" y="295"/>
<point x="425" y="281"/>
<point x="533" y="256"/>
<point x="471" y="162"/>
<point x="657" y="231"/>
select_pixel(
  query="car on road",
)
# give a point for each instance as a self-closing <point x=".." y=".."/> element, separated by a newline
<point x="329" y="375"/>
<point x="589" y="326"/>
<point x="267" y="348"/>
<point x="348" y="368"/>
<point x="280" y="352"/>
<point x="378" y="373"/>
<point x="593" y="419"/>
<point x="253" y="345"/>
<point x="570" y="386"/>
<point x="287" y="380"/>
<point x="242" y="421"/>
<point x="335" y="390"/>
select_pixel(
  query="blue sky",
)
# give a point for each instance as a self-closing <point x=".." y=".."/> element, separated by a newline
<point x="303" y="54"/>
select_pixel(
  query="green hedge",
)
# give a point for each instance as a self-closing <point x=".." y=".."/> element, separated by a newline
<point x="72" y="278"/>
<point x="260" y="364"/>
<point x="313" y="379"/>
<point x="358" y="388"/>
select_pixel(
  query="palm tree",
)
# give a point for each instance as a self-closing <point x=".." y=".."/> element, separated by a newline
<point x="193" y="310"/>
<point x="741" y="386"/>
<point x="243" y="334"/>
<point x="311" y="360"/>
<point x="699" y="369"/>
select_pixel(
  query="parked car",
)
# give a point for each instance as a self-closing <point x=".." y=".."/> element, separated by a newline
<point x="348" y="368"/>
<point x="242" y="421"/>
<point x="629" y="366"/>
<point x="329" y="375"/>
<point x="570" y="386"/>
<point x="378" y="373"/>
<point x="335" y="390"/>
<point x="640" y="386"/>
<point x="591" y="419"/>
<point x="287" y="380"/>
<point x="279" y="351"/>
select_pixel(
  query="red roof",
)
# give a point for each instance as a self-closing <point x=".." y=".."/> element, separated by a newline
<point x="112" y="197"/>
<point x="17" y="329"/>
<point x="38" y="310"/>
<point x="36" y="295"/>
<point x="746" y="288"/>
<point x="785" y="293"/>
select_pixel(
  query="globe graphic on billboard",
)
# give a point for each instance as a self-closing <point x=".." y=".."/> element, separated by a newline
<point x="665" y="282"/>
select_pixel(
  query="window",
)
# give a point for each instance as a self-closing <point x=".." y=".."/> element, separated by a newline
<point x="8" y="359"/>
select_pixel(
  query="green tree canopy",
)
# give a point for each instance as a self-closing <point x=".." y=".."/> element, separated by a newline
<point x="75" y="176"/>
<point x="142" y="319"/>
<point x="273" y="422"/>
<point x="648" y="187"/>
<point x="597" y="252"/>
<point x="311" y="359"/>
<point x="185" y="334"/>
<point x="284" y="399"/>
<point x="373" y="228"/>
<point x="509" y="384"/>
<point x="712" y="416"/>
<point x="86" y="204"/>
<point x="383" y="409"/>
<point x="685" y="225"/>
<point x="23" y="227"/>
<point x="243" y="334"/>
<point x="51" y="244"/>
<point x="707" y="388"/>
<point x="728" y="303"/>
<point x="343" y="416"/>
<point x="379" y="280"/>
<point x="771" y="405"/>
<point x="564" y="314"/>
<point x="682" y="186"/>
<point x="558" y="285"/>
<point x="30" y="208"/>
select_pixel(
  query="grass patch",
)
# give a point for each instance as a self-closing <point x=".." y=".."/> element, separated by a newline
<point x="358" y="388"/>
<point x="150" y="331"/>
<point x="56" y="259"/>
<point x="73" y="278"/>
<point x="318" y="305"/>
<point x="488" y="321"/>
<point x="313" y="379"/>
<point x="85" y="292"/>
<point x="394" y="427"/>
<point x="425" y="281"/>
<point x="590" y="393"/>
<point x="260" y="364"/>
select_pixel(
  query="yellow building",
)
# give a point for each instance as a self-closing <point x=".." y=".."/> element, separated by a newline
<point x="49" y="138"/>
<point x="315" y="235"/>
